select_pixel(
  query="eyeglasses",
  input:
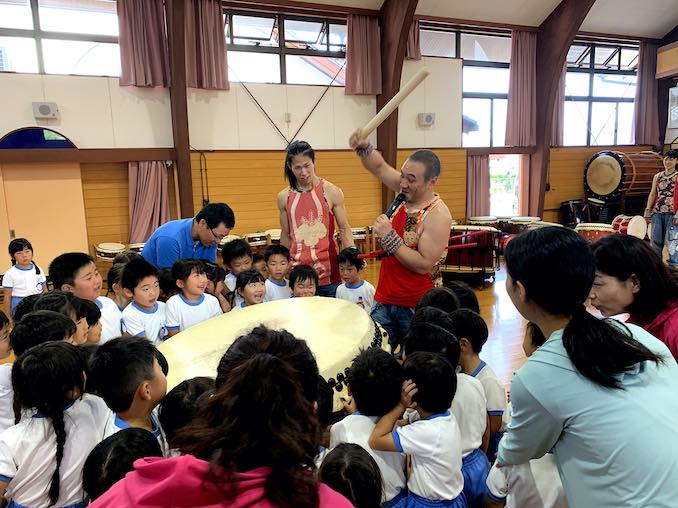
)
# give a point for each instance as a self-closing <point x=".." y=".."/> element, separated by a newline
<point x="219" y="238"/>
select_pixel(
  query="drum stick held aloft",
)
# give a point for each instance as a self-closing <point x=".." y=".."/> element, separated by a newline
<point x="393" y="104"/>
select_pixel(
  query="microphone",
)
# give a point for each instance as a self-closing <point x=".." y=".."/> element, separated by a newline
<point x="394" y="206"/>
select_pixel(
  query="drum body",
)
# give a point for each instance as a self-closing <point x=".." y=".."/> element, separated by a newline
<point x="519" y="224"/>
<point x="482" y="257"/>
<point x="541" y="224"/>
<point x="136" y="247"/>
<point x="257" y="241"/>
<point x="571" y="212"/>
<point x="628" y="225"/>
<point x="609" y="174"/>
<point x="273" y="235"/>
<point x="593" y="231"/>
<point x="483" y="220"/>
<point x="109" y="250"/>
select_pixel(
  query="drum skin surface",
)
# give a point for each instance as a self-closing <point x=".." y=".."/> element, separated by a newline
<point x="609" y="173"/>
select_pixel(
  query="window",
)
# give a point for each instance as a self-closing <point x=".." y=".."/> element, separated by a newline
<point x="600" y="86"/>
<point x="67" y="37"/>
<point x="504" y="181"/>
<point x="285" y="49"/>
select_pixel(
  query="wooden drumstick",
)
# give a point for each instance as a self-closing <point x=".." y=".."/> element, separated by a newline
<point x="394" y="102"/>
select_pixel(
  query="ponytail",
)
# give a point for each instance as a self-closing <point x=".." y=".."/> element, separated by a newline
<point x="601" y="349"/>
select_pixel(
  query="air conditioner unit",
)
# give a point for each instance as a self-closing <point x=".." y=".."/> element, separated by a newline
<point x="45" y="110"/>
<point x="426" y="119"/>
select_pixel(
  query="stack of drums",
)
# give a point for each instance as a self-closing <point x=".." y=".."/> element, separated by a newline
<point x="627" y="225"/>
<point x="515" y="226"/>
<point x="593" y="231"/>
<point x="481" y="258"/>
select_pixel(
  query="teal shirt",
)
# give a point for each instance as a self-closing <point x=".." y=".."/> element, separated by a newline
<point x="614" y="448"/>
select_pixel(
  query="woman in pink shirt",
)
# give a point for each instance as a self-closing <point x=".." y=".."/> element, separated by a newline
<point x="630" y="278"/>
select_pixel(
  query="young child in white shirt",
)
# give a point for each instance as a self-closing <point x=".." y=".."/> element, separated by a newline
<point x="237" y="257"/>
<point x="303" y="281"/>
<point x="277" y="258"/>
<point x="354" y="289"/>
<point x="251" y="286"/>
<point x="192" y="305"/>
<point x="24" y="278"/>
<point x="145" y="316"/>
<point x="433" y="442"/>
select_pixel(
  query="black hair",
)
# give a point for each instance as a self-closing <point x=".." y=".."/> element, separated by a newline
<point x="183" y="268"/>
<point x="430" y="161"/>
<point x="180" y="404"/>
<point x="279" y="343"/>
<point x="4" y="320"/>
<point x="257" y="257"/>
<point x="119" y="366"/>
<point x="469" y="325"/>
<point x="215" y="214"/>
<point x="325" y="402"/>
<point x="350" y="470"/>
<point x="42" y="379"/>
<point x="113" y="458"/>
<point x="125" y="257"/>
<point x="376" y="380"/>
<point x="17" y="245"/>
<point x="547" y="258"/>
<point x="168" y="284"/>
<point x="442" y="298"/>
<point x="25" y="306"/>
<point x="63" y="302"/>
<point x="235" y="249"/>
<point x="536" y="335"/>
<point x="622" y="256"/>
<point x="87" y="350"/>
<point x="301" y="273"/>
<point x="432" y="315"/>
<point x="435" y="378"/>
<point x="135" y="271"/>
<point x="293" y="149"/>
<point x="63" y="268"/>
<point x="214" y="272"/>
<point x="114" y="275"/>
<point x="248" y="277"/>
<point x="432" y="338"/>
<point x="467" y="298"/>
<point x="276" y="249"/>
<point x="92" y="312"/>
<point x="350" y="255"/>
<point x="672" y="154"/>
<point x="40" y="326"/>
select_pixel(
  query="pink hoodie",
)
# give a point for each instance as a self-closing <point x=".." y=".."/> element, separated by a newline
<point x="665" y="326"/>
<point x="179" y="482"/>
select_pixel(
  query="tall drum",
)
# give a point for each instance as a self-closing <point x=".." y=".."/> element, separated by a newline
<point x="610" y="173"/>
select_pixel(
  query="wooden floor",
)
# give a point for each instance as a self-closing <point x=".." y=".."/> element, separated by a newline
<point x="504" y="348"/>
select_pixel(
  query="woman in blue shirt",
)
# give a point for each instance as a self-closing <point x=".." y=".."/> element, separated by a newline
<point x="600" y="394"/>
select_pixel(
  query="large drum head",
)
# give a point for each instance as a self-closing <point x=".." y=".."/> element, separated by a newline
<point x="604" y="174"/>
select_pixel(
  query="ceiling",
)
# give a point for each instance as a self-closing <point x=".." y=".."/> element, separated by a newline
<point x="515" y="12"/>
<point x="641" y="18"/>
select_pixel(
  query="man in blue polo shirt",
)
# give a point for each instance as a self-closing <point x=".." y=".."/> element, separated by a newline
<point x="196" y="237"/>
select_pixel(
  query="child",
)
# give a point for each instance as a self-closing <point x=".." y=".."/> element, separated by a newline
<point x="168" y="286"/>
<point x="472" y="332"/>
<point x="24" y="278"/>
<point x="259" y="264"/>
<point x="70" y="306"/>
<point x="354" y="289"/>
<point x="442" y="298"/>
<point x="192" y="305"/>
<point x="251" y="287"/>
<point x="75" y="272"/>
<point x="216" y="285"/>
<point x="41" y="458"/>
<point x="433" y="443"/>
<point x="25" y="306"/>
<point x="112" y="459"/>
<point x="350" y="470"/>
<point x="465" y="295"/>
<point x="237" y="257"/>
<point x="126" y="373"/>
<point x="6" y="392"/>
<point x="145" y="316"/>
<point x="93" y="317"/>
<point x="180" y="404"/>
<point x="113" y="281"/>
<point x="277" y="258"/>
<point x="375" y="382"/>
<point x="303" y="281"/>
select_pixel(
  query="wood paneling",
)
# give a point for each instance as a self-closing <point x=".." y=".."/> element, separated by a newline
<point x="452" y="183"/>
<point x="249" y="181"/>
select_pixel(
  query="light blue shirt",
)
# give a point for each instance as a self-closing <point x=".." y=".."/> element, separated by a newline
<point x="614" y="448"/>
<point x="173" y="241"/>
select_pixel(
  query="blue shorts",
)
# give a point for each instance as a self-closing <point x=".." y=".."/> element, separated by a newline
<point x="415" y="501"/>
<point x="15" y="302"/>
<point x="475" y="467"/>
<point x="399" y="501"/>
<point x="493" y="446"/>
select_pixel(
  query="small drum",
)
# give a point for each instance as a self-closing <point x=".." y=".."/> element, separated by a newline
<point x="136" y="247"/>
<point x="610" y="173"/>
<point x="627" y="225"/>
<point x="593" y="231"/>
<point x="503" y="223"/>
<point x="520" y="224"/>
<point x="109" y="250"/>
<point x="229" y="238"/>
<point x="480" y="258"/>
<point x="273" y="235"/>
<point x="360" y="238"/>
<point x="483" y="220"/>
<point x="542" y="224"/>
<point x="571" y="212"/>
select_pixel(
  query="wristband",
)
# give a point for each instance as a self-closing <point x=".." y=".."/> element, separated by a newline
<point x="365" y="152"/>
<point x="391" y="242"/>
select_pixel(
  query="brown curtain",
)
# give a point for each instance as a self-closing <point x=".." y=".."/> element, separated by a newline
<point x="646" y="114"/>
<point x="521" y="129"/>
<point x="478" y="185"/>
<point x="144" y="58"/>
<point x="148" y="198"/>
<point x="363" y="56"/>
<point x="558" y="126"/>
<point x="413" y="45"/>
<point x="206" y="64"/>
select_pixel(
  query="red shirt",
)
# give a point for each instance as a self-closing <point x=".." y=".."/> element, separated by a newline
<point x="665" y="327"/>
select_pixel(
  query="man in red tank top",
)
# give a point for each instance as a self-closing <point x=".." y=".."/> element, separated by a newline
<point x="416" y="236"/>
<point x="308" y="209"/>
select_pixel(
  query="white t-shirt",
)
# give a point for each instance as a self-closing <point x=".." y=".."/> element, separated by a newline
<point x="182" y="313"/>
<point x="230" y="281"/>
<point x="494" y="390"/>
<point x="111" y="318"/>
<point x="28" y="453"/>
<point x="469" y="408"/>
<point x="275" y="291"/>
<point x="533" y="485"/>
<point x="362" y="294"/>
<point x="24" y="281"/>
<point x="356" y="428"/>
<point x="434" y="445"/>
<point x="6" y="397"/>
<point x="115" y="424"/>
<point x="151" y="324"/>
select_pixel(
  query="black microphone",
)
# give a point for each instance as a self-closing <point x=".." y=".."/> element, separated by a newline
<point x="394" y="206"/>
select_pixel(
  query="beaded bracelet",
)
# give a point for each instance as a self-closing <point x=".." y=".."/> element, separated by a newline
<point x="391" y="242"/>
<point x="365" y="152"/>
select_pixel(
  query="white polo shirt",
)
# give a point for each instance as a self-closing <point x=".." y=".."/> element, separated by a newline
<point x="494" y="390"/>
<point x="6" y="397"/>
<point x="469" y="408"/>
<point x="24" y="281"/>
<point x="140" y="322"/>
<point x="362" y="294"/>
<point x="276" y="291"/>
<point x="115" y="424"/>
<point x="182" y="313"/>
<point x="111" y="319"/>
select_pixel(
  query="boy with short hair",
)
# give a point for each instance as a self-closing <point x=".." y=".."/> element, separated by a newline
<point x="126" y="373"/>
<point x="77" y="273"/>
<point x="354" y="289"/>
<point x="192" y="305"/>
<point x="375" y="383"/>
<point x="277" y="258"/>
<point x="303" y="281"/>
<point x="93" y="318"/>
<point x="259" y="264"/>
<point x="237" y="257"/>
<point x="145" y="316"/>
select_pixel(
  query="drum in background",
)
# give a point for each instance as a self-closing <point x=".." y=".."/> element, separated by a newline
<point x="610" y="173"/>
<point x="571" y="212"/>
<point x="503" y="223"/>
<point x="273" y="235"/>
<point x="483" y="220"/>
<point x="542" y="224"/>
<point x="257" y="241"/>
<point x="520" y="224"/>
<point x="136" y="247"/>
<point x="627" y="225"/>
<point x="108" y="250"/>
<point x="504" y="241"/>
<point x="479" y="258"/>
<point x="228" y="238"/>
<point x="360" y="238"/>
<point x="593" y="231"/>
